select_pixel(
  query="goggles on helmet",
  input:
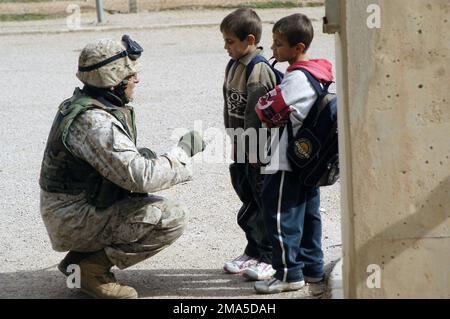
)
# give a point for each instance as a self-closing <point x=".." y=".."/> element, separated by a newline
<point x="133" y="51"/>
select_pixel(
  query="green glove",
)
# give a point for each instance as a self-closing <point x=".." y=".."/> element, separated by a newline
<point x="192" y="143"/>
<point x="147" y="153"/>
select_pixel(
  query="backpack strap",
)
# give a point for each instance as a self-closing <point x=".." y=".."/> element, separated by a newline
<point x="315" y="83"/>
<point x="249" y="68"/>
<point x="278" y="74"/>
<point x="257" y="59"/>
<point x="323" y="97"/>
<point x="229" y="65"/>
<point x="318" y="86"/>
<point x="290" y="131"/>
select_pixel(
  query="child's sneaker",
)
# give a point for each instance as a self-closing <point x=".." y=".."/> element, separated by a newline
<point x="260" y="271"/>
<point x="239" y="264"/>
<point x="275" y="286"/>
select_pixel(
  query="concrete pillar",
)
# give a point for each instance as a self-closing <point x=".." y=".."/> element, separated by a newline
<point x="394" y="120"/>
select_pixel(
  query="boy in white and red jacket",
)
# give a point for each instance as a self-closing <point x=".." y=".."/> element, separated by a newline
<point x="291" y="211"/>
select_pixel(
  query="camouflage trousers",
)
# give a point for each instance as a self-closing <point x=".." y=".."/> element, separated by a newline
<point x="130" y="231"/>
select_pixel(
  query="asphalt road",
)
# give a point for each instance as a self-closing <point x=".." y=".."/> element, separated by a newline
<point x="181" y="87"/>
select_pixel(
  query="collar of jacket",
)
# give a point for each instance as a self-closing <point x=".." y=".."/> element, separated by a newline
<point x="247" y="58"/>
<point x="104" y="96"/>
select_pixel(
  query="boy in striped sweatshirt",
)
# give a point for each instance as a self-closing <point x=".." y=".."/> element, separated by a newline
<point x="242" y="88"/>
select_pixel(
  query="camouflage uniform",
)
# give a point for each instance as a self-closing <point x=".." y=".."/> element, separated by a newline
<point x="134" y="228"/>
<point x="138" y="225"/>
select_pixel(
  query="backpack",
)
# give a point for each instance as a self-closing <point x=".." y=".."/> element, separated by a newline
<point x="258" y="59"/>
<point x="313" y="151"/>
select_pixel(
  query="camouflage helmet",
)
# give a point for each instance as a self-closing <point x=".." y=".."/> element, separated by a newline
<point x="106" y="63"/>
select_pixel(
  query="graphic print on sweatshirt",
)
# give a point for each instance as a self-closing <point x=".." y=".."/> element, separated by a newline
<point x="236" y="103"/>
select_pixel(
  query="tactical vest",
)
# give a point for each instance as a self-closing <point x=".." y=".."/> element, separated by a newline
<point x="62" y="172"/>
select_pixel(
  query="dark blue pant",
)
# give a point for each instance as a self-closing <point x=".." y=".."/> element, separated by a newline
<point x="293" y="220"/>
<point x="248" y="182"/>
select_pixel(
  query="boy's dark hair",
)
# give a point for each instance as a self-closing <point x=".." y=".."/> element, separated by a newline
<point x="242" y="22"/>
<point x="297" y="28"/>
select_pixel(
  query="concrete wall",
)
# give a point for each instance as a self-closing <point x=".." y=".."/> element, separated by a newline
<point x="393" y="85"/>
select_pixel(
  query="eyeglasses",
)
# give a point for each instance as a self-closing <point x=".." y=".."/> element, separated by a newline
<point x="132" y="49"/>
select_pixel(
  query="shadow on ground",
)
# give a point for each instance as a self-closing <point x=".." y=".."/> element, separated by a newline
<point x="157" y="283"/>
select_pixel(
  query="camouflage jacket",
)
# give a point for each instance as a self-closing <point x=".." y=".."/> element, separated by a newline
<point x="92" y="150"/>
<point x="88" y="136"/>
<point x="101" y="141"/>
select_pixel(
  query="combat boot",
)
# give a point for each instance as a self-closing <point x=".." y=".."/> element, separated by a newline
<point x="72" y="258"/>
<point x="97" y="281"/>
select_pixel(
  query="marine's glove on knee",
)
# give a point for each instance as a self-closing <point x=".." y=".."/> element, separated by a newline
<point x="192" y="143"/>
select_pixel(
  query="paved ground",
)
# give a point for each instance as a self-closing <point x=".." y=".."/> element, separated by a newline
<point x="181" y="79"/>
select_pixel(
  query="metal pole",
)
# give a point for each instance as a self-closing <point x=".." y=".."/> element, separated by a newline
<point x="100" y="14"/>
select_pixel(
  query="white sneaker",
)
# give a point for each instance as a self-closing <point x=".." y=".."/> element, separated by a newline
<point x="260" y="271"/>
<point x="239" y="264"/>
<point x="275" y="286"/>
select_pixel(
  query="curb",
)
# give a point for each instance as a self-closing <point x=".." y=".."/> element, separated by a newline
<point x="335" y="281"/>
<point x="100" y="28"/>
